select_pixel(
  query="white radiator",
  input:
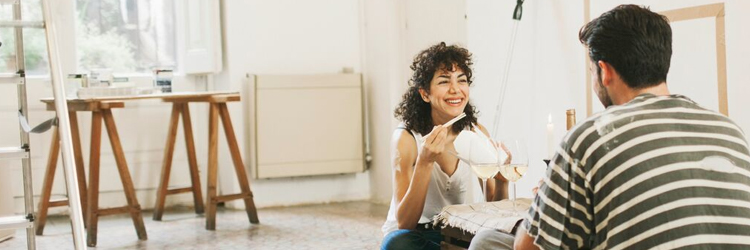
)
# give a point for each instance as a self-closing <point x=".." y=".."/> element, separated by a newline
<point x="302" y="125"/>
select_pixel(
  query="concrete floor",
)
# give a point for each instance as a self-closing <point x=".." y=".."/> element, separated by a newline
<point x="350" y="225"/>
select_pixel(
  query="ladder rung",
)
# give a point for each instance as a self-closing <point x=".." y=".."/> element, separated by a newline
<point x="13" y="153"/>
<point x="11" y="78"/>
<point x="15" y="222"/>
<point x="22" y="24"/>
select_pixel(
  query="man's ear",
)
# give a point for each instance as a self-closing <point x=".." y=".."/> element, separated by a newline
<point x="607" y="73"/>
<point x="424" y="95"/>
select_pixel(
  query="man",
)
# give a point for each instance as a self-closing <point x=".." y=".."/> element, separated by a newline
<point x="654" y="170"/>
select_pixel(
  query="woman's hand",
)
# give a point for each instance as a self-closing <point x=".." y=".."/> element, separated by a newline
<point x="434" y="145"/>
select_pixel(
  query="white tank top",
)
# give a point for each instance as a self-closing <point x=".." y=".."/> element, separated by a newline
<point x="460" y="188"/>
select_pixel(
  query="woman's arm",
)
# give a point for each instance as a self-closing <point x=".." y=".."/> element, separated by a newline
<point x="412" y="173"/>
<point x="498" y="189"/>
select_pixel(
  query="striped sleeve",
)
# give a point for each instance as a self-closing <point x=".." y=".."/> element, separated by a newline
<point x="560" y="216"/>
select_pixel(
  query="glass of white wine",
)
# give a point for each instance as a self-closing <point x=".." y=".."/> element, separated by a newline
<point x="483" y="161"/>
<point x="513" y="162"/>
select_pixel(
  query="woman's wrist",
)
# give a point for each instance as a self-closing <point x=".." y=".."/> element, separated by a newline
<point x="421" y="163"/>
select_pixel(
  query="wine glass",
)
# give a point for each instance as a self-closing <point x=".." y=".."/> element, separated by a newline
<point x="483" y="160"/>
<point x="513" y="161"/>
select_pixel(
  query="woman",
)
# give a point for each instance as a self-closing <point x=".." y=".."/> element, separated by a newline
<point x="426" y="176"/>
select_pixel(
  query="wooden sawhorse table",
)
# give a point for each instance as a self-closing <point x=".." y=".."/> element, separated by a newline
<point x="101" y="111"/>
<point x="100" y="108"/>
<point x="217" y="108"/>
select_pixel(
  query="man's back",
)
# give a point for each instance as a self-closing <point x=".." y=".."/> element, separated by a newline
<point x="658" y="171"/>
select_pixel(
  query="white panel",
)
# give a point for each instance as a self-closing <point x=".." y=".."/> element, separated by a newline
<point x="311" y="168"/>
<point x="308" y="125"/>
<point x="687" y="61"/>
<point x="199" y="36"/>
<point x="6" y="197"/>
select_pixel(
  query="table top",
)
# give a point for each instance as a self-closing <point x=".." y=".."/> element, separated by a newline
<point x="176" y="96"/>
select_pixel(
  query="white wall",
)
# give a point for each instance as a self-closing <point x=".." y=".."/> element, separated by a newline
<point x="396" y="31"/>
<point x="384" y="21"/>
<point x="289" y="37"/>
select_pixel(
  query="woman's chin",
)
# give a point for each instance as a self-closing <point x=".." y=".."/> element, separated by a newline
<point x="454" y="112"/>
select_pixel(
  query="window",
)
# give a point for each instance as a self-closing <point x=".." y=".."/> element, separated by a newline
<point x="127" y="36"/>
<point x="35" y="45"/>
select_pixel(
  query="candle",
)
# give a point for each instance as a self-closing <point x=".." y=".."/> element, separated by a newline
<point x="550" y="137"/>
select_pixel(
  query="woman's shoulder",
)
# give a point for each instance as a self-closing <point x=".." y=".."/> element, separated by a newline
<point x="401" y="135"/>
<point x="403" y="142"/>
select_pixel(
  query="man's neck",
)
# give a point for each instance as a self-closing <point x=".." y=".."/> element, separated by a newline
<point x="658" y="90"/>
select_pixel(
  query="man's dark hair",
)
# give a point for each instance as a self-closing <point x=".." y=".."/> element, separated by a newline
<point x="634" y="40"/>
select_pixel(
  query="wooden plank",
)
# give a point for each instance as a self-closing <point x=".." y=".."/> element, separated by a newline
<point x="216" y="98"/>
<point x="231" y="197"/>
<point x="166" y="167"/>
<point x="114" y="210"/>
<point x="180" y="190"/>
<point x="587" y="61"/>
<point x="78" y="156"/>
<point x="213" y="162"/>
<point x="74" y="106"/>
<point x="239" y="167"/>
<point x="49" y="178"/>
<point x="175" y="95"/>
<point x="192" y="159"/>
<point x="110" y="105"/>
<point x="127" y="181"/>
<point x="721" y="63"/>
<point x="93" y="195"/>
<point x="703" y="11"/>
<point x="59" y="203"/>
<point x="87" y="106"/>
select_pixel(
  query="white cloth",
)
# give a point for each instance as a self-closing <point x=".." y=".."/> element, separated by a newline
<point x="460" y="188"/>
<point x="478" y="217"/>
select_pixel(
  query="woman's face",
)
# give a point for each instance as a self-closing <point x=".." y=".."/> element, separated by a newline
<point x="449" y="94"/>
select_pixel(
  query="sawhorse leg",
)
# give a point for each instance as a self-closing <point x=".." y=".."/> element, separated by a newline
<point x="220" y="109"/>
<point x="45" y="201"/>
<point x="127" y="183"/>
<point x="177" y="109"/>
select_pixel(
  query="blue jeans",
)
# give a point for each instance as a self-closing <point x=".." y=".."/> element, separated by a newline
<point x="412" y="239"/>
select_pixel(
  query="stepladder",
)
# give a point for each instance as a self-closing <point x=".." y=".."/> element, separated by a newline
<point x="23" y="151"/>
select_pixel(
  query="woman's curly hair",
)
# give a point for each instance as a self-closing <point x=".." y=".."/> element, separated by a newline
<point x="415" y="112"/>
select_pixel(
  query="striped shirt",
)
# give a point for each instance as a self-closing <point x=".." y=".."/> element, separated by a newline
<point x="659" y="172"/>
